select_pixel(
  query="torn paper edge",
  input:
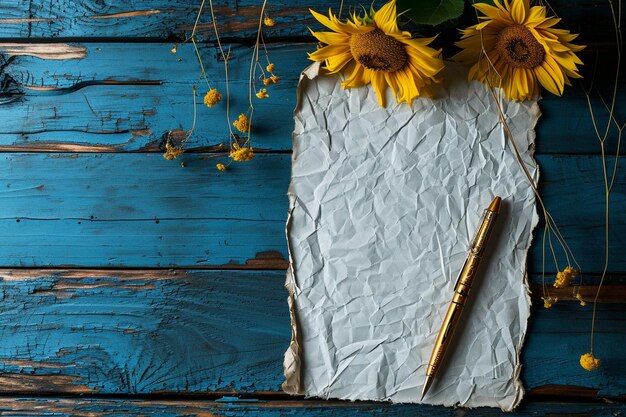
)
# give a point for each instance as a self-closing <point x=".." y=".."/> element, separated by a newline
<point x="293" y="356"/>
<point x="517" y="380"/>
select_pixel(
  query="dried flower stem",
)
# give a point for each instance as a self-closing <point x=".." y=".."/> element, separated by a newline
<point x="225" y="58"/>
<point x="550" y="225"/>
<point x="202" y="71"/>
<point x="195" y="115"/>
<point x="203" y="74"/>
<point x="608" y="184"/>
<point x="253" y="61"/>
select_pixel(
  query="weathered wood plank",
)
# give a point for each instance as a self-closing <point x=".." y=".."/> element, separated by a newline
<point x="142" y="332"/>
<point x="127" y="97"/>
<point x="158" y="331"/>
<point x="167" y="18"/>
<point x="231" y="407"/>
<point x="153" y="19"/>
<point x="140" y="210"/>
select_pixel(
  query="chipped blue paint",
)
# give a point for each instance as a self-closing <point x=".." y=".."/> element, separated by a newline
<point x="64" y="407"/>
<point x="177" y="331"/>
<point x="197" y="331"/>
<point x="152" y="18"/>
<point x="140" y="210"/>
<point x="82" y="111"/>
<point x="77" y="102"/>
<point x="146" y="332"/>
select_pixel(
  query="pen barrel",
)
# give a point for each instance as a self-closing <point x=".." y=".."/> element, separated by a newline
<point x="484" y="231"/>
<point x="443" y="338"/>
<point x="461" y="291"/>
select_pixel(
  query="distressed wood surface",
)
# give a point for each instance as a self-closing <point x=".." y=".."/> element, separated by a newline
<point x="189" y="331"/>
<point x="150" y="19"/>
<point x="141" y="210"/>
<point x="76" y="100"/>
<point x="90" y="90"/>
<point x="237" y="19"/>
<point x="231" y="406"/>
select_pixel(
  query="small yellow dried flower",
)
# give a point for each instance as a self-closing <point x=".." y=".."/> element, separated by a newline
<point x="241" y="154"/>
<point x="242" y="123"/>
<point x="262" y="93"/>
<point x="275" y="79"/>
<point x="565" y="277"/>
<point x="580" y="298"/>
<point x="172" y="152"/>
<point x="267" y="81"/>
<point x="268" y="21"/>
<point x="270" y="67"/>
<point x="174" y="49"/>
<point x="548" y="302"/>
<point x="589" y="362"/>
<point x="221" y="167"/>
<point x="212" y="97"/>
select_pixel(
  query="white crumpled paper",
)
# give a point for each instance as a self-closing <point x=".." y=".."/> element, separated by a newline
<point x="383" y="205"/>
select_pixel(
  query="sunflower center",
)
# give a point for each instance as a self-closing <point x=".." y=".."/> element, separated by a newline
<point x="519" y="48"/>
<point x="378" y="51"/>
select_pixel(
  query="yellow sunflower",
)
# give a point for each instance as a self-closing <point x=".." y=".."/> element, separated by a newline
<point x="515" y="46"/>
<point x="374" y="50"/>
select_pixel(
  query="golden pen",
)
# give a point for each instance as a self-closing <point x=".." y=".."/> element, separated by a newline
<point x="461" y="290"/>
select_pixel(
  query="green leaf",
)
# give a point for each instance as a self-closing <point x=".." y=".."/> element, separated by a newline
<point x="430" y="12"/>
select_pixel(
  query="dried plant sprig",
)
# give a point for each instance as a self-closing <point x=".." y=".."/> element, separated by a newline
<point x="238" y="151"/>
<point x="588" y="361"/>
<point x="254" y="60"/>
<point x="495" y="86"/>
<point x="225" y="58"/>
<point x="212" y="97"/>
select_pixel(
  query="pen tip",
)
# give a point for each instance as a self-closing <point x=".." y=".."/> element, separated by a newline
<point x="495" y="205"/>
<point x="427" y="383"/>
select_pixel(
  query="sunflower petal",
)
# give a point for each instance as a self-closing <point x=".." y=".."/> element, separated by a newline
<point x="328" y="52"/>
<point x="330" y="37"/>
<point x="493" y="13"/>
<point x="428" y="65"/>
<point x="356" y="79"/>
<point x="545" y="78"/>
<point x="536" y="16"/>
<point x="555" y="71"/>
<point x="483" y="25"/>
<point x="380" y="86"/>
<point x="385" y="18"/>
<point x="326" y="21"/>
<point x="336" y="63"/>
<point x="519" y="78"/>
<point x="518" y="10"/>
<point x="409" y="85"/>
<point x="392" y="80"/>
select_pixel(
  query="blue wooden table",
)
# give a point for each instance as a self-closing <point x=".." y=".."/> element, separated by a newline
<point x="136" y="285"/>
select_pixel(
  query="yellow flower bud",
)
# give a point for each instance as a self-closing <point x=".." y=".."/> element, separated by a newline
<point x="589" y="362"/>
<point x="212" y="97"/>
<point x="241" y="154"/>
<point x="262" y="93"/>
<point x="242" y="123"/>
